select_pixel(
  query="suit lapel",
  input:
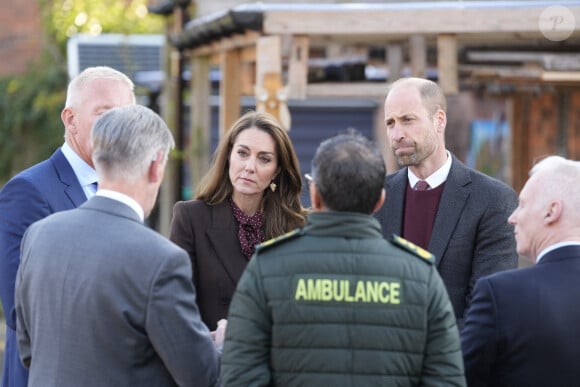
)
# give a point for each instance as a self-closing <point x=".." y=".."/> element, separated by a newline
<point x="72" y="187"/>
<point x="453" y="200"/>
<point x="223" y="235"/>
<point x="395" y="191"/>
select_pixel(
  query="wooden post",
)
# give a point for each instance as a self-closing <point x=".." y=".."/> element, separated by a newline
<point x="171" y="111"/>
<point x="268" y="57"/>
<point x="395" y="61"/>
<point x="447" y="63"/>
<point x="230" y="89"/>
<point x="298" y="67"/>
<point x="200" y="117"/>
<point x="270" y="94"/>
<point x="418" y="56"/>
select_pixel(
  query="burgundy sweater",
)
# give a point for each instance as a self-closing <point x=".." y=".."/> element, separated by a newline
<point x="419" y="216"/>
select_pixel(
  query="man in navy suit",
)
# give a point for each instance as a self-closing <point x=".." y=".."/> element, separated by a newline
<point x="62" y="182"/>
<point x="522" y="326"/>
<point x="459" y="215"/>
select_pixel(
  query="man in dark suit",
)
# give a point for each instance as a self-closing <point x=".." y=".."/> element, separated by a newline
<point x="102" y="299"/>
<point x="460" y="215"/>
<point x="522" y="326"/>
<point x="62" y="182"/>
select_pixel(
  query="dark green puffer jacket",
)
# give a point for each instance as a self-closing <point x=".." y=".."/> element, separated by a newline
<point x="335" y="304"/>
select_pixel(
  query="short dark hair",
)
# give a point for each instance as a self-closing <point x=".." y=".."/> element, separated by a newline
<point x="349" y="172"/>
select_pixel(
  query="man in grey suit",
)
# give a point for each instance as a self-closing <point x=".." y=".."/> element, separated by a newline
<point x="458" y="214"/>
<point x="101" y="299"/>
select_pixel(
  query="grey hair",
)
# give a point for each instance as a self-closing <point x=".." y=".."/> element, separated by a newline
<point x="126" y="139"/>
<point x="349" y="172"/>
<point x="78" y="83"/>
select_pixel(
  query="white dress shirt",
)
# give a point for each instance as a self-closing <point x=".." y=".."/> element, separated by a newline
<point x="85" y="174"/>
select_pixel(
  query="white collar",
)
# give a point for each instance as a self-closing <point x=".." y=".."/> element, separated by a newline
<point x="85" y="174"/>
<point x="436" y="178"/>
<point x="123" y="199"/>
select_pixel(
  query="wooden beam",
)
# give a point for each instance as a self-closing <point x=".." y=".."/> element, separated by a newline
<point x="557" y="61"/>
<point x="418" y="55"/>
<point x="447" y="63"/>
<point x="230" y="89"/>
<point x="298" y="67"/>
<point x="233" y="42"/>
<point x="431" y="18"/>
<point x="248" y="39"/>
<point x="572" y="77"/>
<point x="368" y="90"/>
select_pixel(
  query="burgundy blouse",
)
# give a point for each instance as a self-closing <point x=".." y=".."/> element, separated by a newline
<point x="249" y="229"/>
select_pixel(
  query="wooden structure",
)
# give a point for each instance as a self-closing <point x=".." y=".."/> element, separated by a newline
<point x="252" y="41"/>
<point x="527" y="51"/>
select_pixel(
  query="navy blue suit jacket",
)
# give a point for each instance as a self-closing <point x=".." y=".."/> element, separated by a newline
<point x="33" y="194"/>
<point x="471" y="237"/>
<point x="522" y="328"/>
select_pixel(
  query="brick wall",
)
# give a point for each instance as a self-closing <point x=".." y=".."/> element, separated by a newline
<point x="20" y="35"/>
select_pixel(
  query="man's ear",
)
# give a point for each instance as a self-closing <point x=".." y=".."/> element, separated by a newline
<point x="156" y="168"/>
<point x="67" y="116"/>
<point x="315" y="198"/>
<point x="554" y="212"/>
<point x="381" y="200"/>
<point x="440" y="120"/>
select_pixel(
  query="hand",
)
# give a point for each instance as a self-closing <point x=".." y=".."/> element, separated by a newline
<point x="219" y="334"/>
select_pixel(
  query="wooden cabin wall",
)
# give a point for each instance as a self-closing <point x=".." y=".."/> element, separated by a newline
<point x="544" y="124"/>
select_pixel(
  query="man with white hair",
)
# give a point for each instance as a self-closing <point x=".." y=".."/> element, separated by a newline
<point x="62" y="182"/>
<point x="522" y="326"/>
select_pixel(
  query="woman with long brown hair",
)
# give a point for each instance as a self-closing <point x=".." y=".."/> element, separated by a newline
<point x="250" y="194"/>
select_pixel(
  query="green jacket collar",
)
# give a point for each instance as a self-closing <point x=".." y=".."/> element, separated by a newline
<point x="342" y="224"/>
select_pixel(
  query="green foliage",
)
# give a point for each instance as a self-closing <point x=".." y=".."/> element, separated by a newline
<point x="64" y="18"/>
<point x="30" y="125"/>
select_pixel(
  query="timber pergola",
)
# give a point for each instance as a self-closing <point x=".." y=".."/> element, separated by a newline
<point x="265" y="50"/>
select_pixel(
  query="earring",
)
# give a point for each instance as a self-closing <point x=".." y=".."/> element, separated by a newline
<point x="273" y="186"/>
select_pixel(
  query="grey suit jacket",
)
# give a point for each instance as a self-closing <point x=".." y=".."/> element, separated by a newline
<point x="471" y="237"/>
<point x="102" y="300"/>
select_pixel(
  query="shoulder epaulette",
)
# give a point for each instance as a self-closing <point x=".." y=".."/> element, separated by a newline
<point x="282" y="238"/>
<point x="412" y="248"/>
